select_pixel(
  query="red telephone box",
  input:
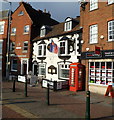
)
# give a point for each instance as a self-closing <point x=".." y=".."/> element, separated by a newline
<point x="76" y="81"/>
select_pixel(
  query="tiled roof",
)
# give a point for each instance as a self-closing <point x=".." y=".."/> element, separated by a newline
<point x="4" y="14"/>
<point x="58" y="30"/>
<point x="38" y="15"/>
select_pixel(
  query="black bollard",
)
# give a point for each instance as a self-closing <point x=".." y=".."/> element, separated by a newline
<point x="87" y="116"/>
<point x="55" y="85"/>
<point x="48" y="102"/>
<point x="25" y="87"/>
<point x="13" y="84"/>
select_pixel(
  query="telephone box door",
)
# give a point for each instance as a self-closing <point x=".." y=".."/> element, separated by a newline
<point x="72" y="79"/>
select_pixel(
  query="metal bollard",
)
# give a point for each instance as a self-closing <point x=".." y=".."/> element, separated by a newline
<point x="25" y="87"/>
<point x="87" y="116"/>
<point x="48" y="102"/>
<point x="13" y="84"/>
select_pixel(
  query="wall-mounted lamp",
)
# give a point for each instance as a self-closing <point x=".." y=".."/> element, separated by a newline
<point x="102" y="37"/>
<point x="87" y="49"/>
<point x="52" y="70"/>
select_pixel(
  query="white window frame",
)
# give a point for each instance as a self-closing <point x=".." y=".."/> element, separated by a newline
<point x="13" y="31"/>
<point x="25" y="42"/>
<point x="13" y="64"/>
<point x="93" y="34"/>
<point x="2" y="24"/>
<point x="66" y="48"/>
<point x="111" y="30"/>
<point x="41" y="66"/>
<point x="42" y="32"/>
<point x="61" y="67"/>
<point x="93" y="4"/>
<point x="26" y="29"/>
<point x="68" y="24"/>
<point x="102" y="74"/>
<point x="43" y="50"/>
<point x="110" y="2"/>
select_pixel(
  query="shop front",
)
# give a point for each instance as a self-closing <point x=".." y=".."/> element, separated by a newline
<point x="99" y="70"/>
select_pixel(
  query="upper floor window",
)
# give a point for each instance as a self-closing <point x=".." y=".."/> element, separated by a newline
<point x="68" y="24"/>
<point x="25" y="46"/>
<point x="21" y="13"/>
<point x="41" y="50"/>
<point x="2" y="27"/>
<point x="13" y="31"/>
<point x="42" y="32"/>
<point x="12" y="46"/>
<point x="93" y="34"/>
<point x="26" y="29"/>
<point x="93" y="4"/>
<point x="110" y="1"/>
<point x="111" y="30"/>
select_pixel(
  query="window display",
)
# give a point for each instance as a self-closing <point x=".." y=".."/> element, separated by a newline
<point x="101" y="73"/>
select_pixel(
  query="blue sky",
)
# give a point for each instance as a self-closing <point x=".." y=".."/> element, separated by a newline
<point x="58" y="10"/>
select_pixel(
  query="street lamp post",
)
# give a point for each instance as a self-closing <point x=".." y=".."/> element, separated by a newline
<point x="8" y="41"/>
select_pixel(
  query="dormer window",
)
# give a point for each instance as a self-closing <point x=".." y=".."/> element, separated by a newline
<point x="68" y="24"/>
<point x="21" y="13"/>
<point x="44" y="30"/>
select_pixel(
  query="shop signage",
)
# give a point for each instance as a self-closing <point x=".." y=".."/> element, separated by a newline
<point x="104" y="54"/>
<point x="93" y="55"/>
<point x="108" y="54"/>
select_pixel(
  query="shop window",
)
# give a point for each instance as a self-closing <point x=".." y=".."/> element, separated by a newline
<point x="42" y="69"/>
<point x="64" y="71"/>
<point x="101" y="73"/>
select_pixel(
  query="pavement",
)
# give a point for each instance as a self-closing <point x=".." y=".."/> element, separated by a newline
<point x="63" y="104"/>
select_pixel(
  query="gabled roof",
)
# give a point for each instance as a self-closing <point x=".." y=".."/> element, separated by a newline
<point x="58" y="30"/>
<point x="4" y="14"/>
<point x="38" y="15"/>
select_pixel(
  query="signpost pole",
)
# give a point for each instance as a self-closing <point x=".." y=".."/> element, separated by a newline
<point x="25" y="86"/>
<point x="48" y="102"/>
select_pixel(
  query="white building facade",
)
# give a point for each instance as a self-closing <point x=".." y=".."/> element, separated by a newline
<point x="56" y="50"/>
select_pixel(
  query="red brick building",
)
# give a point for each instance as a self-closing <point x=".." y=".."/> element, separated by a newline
<point x="97" y="21"/>
<point x="25" y="25"/>
<point x="3" y="40"/>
